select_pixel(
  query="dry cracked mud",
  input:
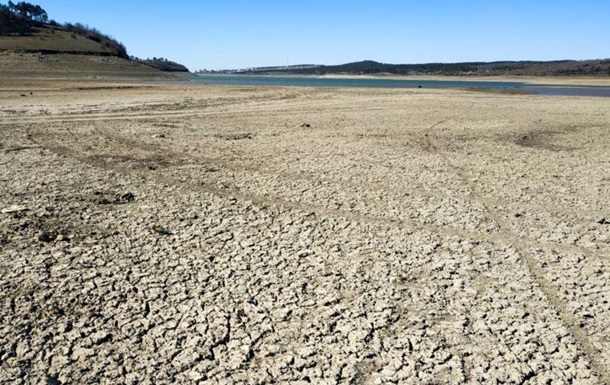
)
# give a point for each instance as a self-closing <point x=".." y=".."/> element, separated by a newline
<point x="195" y="234"/>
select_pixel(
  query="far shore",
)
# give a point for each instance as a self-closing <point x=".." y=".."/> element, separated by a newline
<point x="547" y="80"/>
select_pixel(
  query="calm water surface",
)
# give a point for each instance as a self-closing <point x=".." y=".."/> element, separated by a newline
<point x="296" y="81"/>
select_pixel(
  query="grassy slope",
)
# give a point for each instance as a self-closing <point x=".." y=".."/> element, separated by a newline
<point x="69" y="66"/>
<point x="74" y="56"/>
<point x="52" y="39"/>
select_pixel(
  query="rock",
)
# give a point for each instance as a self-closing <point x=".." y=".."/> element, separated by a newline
<point x="158" y="136"/>
<point x="61" y="238"/>
<point x="14" y="209"/>
<point x="101" y="337"/>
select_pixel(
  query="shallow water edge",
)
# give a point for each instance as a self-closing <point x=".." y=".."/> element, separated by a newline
<point x="495" y="86"/>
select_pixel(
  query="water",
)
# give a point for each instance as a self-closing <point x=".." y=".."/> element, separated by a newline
<point x="303" y="81"/>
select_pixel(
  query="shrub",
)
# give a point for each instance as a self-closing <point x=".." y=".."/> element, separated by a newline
<point x="115" y="47"/>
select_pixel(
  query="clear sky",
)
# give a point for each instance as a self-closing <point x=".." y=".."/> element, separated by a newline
<point x="241" y="33"/>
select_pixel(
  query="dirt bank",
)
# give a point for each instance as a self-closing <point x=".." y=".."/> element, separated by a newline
<point x="22" y="67"/>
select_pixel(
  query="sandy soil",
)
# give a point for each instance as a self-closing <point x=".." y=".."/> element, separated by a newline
<point x="183" y="234"/>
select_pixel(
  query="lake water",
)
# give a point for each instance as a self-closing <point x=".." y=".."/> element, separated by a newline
<point x="304" y="81"/>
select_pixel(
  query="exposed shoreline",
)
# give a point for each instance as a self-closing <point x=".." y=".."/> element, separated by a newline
<point x="548" y="80"/>
<point x="551" y="80"/>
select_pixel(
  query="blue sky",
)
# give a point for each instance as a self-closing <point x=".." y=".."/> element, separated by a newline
<point x="240" y="33"/>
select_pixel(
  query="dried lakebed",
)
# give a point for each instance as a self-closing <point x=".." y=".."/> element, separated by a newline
<point x="184" y="234"/>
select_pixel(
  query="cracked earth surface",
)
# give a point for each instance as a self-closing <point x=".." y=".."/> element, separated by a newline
<point x="217" y="235"/>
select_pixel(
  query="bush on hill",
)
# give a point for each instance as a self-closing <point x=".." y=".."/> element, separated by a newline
<point x="94" y="34"/>
<point x="162" y="64"/>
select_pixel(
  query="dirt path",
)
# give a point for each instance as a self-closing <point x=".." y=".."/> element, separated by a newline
<point x="223" y="235"/>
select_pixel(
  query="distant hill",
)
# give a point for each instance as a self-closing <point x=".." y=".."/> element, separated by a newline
<point x="26" y="28"/>
<point x="524" y="68"/>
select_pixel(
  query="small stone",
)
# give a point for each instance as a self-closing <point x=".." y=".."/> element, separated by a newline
<point x="101" y="337"/>
<point x="14" y="209"/>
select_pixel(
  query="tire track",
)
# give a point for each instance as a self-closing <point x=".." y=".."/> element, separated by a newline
<point x="270" y="200"/>
<point x="550" y="292"/>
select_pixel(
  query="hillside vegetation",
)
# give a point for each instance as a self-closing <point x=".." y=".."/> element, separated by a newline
<point x="163" y="65"/>
<point x="51" y="39"/>
<point x="26" y="28"/>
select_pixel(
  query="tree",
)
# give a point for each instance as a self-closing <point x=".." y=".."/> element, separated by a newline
<point x="19" y="18"/>
<point x="10" y="22"/>
<point x="29" y="11"/>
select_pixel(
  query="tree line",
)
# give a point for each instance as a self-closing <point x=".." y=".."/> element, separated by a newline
<point x="19" y="18"/>
<point x="599" y="67"/>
